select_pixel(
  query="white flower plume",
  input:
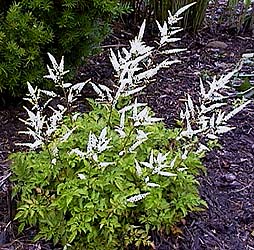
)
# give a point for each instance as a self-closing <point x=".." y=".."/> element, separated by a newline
<point x="137" y="197"/>
<point x="140" y="138"/>
<point x="57" y="72"/>
<point x="167" y="29"/>
<point x="207" y="117"/>
<point x="142" y="118"/>
<point x="97" y="145"/>
<point x="158" y="164"/>
<point x="150" y="184"/>
<point x="134" y="66"/>
<point x="103" y="92"/>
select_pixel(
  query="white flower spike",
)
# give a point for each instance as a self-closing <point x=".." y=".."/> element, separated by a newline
<point x="138" y="197"/>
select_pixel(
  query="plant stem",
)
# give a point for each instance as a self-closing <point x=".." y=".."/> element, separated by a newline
<point x="110" y="115"/>
<point x="127" y="138"/>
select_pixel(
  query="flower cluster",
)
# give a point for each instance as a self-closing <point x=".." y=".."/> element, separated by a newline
<point x="134" y="69"/>
<point x="40" y="126"/>
<point x="207" y="117"/>
<point x="95" y="146"/>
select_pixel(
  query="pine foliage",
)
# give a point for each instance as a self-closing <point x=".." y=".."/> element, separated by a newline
<point x="30" y="28"/>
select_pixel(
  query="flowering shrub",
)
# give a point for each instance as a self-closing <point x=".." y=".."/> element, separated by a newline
<point x="105" y="179"/>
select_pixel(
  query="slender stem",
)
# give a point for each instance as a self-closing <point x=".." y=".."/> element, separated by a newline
<point x="110" y="115"/>
<point x="50" y="156"/>
<point x="111" y="110"/>
<point x="127" y="138"/>
<point x="66" y="101"/>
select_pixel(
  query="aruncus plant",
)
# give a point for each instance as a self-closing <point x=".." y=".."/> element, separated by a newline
<point x="105" y="179"/>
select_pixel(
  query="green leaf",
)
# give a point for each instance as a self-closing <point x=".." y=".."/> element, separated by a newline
<point x="245" y="85"/>
<point x="118" y="183"/>
<point x="73" y="236"/>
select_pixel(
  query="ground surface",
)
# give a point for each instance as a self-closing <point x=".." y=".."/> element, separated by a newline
<point x="228" y="187"/>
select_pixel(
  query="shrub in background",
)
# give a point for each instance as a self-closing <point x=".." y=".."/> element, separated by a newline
<point x="105" y="179"/>
<point x="22" y="38"/>
<point x="31" y="28"/>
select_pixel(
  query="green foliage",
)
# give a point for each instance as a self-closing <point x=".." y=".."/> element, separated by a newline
<point x="90" y="211"/>
<point x="30" y="28"/>
<point x="21" y="40"/>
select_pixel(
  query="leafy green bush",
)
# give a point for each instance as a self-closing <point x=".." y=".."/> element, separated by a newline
<point x="105" y="179"/>
<point x="21" y="40"/>
<point x="82" y="199"/>
<point x="31" y="28"/>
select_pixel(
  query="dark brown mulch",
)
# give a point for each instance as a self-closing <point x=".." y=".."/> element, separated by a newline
<point x="228" y="187"/>
<point x="228" y="223"/>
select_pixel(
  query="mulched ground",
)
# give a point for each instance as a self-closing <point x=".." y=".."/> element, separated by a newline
<point x="228" y="186"/>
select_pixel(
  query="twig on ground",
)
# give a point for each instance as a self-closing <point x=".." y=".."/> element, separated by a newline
<point x="2" y="180"/>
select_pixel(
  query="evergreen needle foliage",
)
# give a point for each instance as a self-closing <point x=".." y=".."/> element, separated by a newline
<point x="105" y="179"/>
<point x="30" y="28"/>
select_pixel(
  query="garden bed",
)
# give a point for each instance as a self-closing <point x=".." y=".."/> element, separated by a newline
<point x="228" y="185"/>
